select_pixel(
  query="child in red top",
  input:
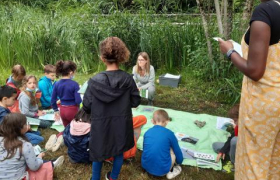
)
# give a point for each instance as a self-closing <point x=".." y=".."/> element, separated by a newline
<point x="15" y="81"/>
<point x="229" y="147"/>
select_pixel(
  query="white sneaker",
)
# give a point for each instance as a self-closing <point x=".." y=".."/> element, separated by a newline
<point x="58" y="162"/>
<point x="59" y="142"/>
<point x="50" y="143"/>
<point x="176" y="171"/>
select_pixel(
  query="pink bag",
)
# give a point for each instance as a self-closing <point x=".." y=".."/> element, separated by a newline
<point x="44" y="173"/>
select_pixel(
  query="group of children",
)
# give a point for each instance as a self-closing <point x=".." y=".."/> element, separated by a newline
<point x="103" y="129"/>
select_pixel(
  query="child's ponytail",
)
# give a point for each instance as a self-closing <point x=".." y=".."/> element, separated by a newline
<point x="59" y="67"/>
<point x="63" y="68"/>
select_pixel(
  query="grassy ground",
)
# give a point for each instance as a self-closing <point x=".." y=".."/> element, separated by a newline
<point x="193" y="95"/>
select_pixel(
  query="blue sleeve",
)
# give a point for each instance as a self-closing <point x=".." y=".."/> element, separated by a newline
<point x="54" y="98"/>
<point x="78" y="98"/>
<point x="2" y="115"/>
<point x="45" y="91"/>
<point x="176" y="148"/>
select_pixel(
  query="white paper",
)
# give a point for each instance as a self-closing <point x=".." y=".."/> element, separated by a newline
<point x="201" y="162"/>
<point x="187" y="153"/>
<point x="33" y="121"/>
<point x="47" y="117"/>
<point x="216" y="38"/>
<point x="37" y="149"/>
<point x="144" y="93"/>
<point x="236" y="46"/>
<point x="204" y="156"/>
<point x="222" y="122"/>
<point x="58" y="123"/>
<point x="180" y="136"/>
<point x="167" y="75"/>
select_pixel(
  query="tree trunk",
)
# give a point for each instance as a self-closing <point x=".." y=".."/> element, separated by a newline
<point x="206" y="30"/>
<point x="247" y="11"/>
<point x="228" y="13"/>
<point x="219" y="17"/>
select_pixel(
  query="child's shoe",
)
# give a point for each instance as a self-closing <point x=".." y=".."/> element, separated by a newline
<point x="59" y="142"/>
<point x="228" y="167"/>
<point x="108" y="176"/>
<point x="50" y="143"/>
<point x="176" y="171"/>
<point x="58" y="162"/>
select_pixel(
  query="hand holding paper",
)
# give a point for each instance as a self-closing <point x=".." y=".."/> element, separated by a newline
<point x="225" y="46"/>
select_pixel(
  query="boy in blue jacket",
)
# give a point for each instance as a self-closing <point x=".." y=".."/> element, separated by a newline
<point x="161" y="148"/>
<point x="46" y="86"/>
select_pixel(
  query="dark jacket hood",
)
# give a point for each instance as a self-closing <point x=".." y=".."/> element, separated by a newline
<point x="107" y="89"/>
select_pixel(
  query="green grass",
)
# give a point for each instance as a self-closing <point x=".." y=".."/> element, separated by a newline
<point x="193" y="95"/>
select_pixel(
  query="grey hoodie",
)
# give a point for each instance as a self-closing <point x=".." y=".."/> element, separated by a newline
<point x="25" y="105"/>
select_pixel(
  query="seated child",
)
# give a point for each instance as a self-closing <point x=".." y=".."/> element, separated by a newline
<point x="46" y="86"/>
<point x="17" y="154"/>
<point x="229" y="147"/>
<point x="76" y="137"/>
<point x="27" y="100"/>
<point x="7" y="99"/>
<point x="161" y="148"/>
<point x="18" y="73"/>
<point x="65" y="93"/>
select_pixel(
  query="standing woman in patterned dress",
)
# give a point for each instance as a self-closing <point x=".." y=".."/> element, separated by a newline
<point x="258" y="146"/>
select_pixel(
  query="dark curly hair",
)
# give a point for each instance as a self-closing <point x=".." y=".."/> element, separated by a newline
<point x="114" y="50"/>
<point x="63" y="68"/>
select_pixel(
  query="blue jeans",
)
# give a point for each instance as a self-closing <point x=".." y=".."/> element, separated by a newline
<point x="117" y="165"/>
<point x="34" y="137"/>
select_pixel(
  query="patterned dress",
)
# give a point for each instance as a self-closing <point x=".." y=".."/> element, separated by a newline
<point x="258" y="146"/>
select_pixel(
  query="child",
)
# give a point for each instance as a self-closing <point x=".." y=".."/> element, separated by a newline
<point x="16" y="153"/>
<point x="76" y="138"/>
<point x="27" y="100"/>
<point x="161" y="148"/>
<point x="109" y="98"/>
<point x="7" y="99"/>
<point x="229" y="146"/>
<point x="67" y="91"/>
<point x="15" y="80"/>
<point x="46" y="86"/>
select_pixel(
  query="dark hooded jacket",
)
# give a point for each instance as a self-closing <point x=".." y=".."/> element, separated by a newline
<point x="3" y="113"/>
<point x="77" y="146"/>
<point x="109" y="98"/>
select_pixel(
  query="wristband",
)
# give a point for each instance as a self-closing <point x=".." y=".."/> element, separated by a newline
<point x="229" y="53"/>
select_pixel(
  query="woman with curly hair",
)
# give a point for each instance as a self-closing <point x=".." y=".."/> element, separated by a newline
<point x="109" y="98"/>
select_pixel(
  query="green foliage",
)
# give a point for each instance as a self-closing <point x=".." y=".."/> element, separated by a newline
<point x="42" y="32"/>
